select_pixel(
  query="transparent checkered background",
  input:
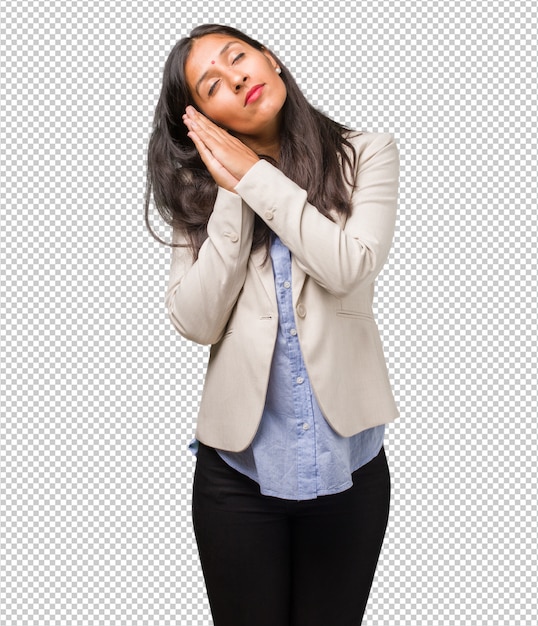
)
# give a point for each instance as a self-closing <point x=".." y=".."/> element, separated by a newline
<point x="99" y="393"/>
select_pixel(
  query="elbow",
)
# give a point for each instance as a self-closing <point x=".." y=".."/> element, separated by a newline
<point x="344" y="288"/>
<point x="192" y="326"/>
<point x="364" y="273"/>
<point x="194" y="330"/>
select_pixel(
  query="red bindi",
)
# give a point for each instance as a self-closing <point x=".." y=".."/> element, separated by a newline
<point x="212" y="62"/>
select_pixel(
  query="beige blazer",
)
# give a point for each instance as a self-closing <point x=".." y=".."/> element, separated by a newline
<point x="228" y="300"/>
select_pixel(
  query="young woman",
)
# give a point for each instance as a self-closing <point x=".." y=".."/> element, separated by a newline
<point x="282" y="219"/>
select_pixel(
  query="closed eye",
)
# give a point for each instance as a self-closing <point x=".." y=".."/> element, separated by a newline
<point x="212" y="88"/>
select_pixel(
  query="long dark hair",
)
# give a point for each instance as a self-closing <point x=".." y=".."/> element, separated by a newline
<point x="311" y="146"/>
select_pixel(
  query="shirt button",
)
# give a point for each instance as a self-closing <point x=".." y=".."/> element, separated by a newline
<point x="306" y="426"/>
<point x="299" y="380"/>
<point x="287" y="284"/>
<point x="293" y="332"/>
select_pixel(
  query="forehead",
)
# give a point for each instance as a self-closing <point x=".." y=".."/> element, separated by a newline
<point x="204" y="50"/>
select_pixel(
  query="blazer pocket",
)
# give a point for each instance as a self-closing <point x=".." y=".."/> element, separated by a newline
<point x="354" y="315"/>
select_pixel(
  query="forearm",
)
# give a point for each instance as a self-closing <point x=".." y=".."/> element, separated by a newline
<point x="339" y="259"/>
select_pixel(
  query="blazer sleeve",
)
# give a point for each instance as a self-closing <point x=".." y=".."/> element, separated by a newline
<point x="200" y="296"/>
<point x="340" y="259"/>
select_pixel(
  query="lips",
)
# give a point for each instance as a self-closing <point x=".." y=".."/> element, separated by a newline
<point x="253" y="94"/>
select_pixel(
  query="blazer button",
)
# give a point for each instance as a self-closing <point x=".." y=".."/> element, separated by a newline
<point x="234" y="237"/>
<point x="301" y="311"/>
<point x="268" y="215"/>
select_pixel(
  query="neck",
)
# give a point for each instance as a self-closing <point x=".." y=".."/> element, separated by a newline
<point x="271" y="149"/>
<point x="266" y="142"/>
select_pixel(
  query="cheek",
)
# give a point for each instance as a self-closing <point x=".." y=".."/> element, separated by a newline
<point x="283" y="92"/>
<point x="226" y="112"/>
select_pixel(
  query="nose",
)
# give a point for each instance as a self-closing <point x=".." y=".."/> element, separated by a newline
<point x="239" y="81"/>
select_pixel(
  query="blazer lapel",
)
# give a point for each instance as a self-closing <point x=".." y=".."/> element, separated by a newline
<point x="267" y="278"/>
<point x="298" y="277"/>
<point x="265" y="274"/>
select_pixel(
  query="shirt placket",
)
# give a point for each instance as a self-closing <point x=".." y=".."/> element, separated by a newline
<point x="305" y="431"/>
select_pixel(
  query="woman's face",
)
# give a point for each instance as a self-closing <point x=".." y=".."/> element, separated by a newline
<point x="235" y="85"/>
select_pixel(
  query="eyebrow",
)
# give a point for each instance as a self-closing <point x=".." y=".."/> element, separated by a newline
<point x="203" y="76"/>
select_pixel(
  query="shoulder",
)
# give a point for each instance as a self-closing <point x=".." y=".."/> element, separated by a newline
<point x="369" y="142"/>
<point x="372" y="148"/>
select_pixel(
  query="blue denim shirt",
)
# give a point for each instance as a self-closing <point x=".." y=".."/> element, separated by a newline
<point x="295" y="454"/>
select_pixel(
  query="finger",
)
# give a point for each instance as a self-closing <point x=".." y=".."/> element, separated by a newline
<point x="207" y="131"/>
<point x="214" y="136"/>
<point x="194" y="117"/>
<point x="199" y="143"/>
<point x="200" y="121"/>
<point x="211" y="131"/>
<point x="211" y="162"/>
<point x="229" y="151"/>
<point x="218" y="171"/>
<point x="190" y="110"/>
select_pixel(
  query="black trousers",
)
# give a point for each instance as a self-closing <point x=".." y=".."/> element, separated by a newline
<point x="273" y="562"/>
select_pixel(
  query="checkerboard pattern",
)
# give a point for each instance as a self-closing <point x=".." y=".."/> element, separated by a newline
<point x="98" y="393"/>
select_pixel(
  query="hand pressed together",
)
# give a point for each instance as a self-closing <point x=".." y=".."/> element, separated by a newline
<point x="227" y="158"/>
